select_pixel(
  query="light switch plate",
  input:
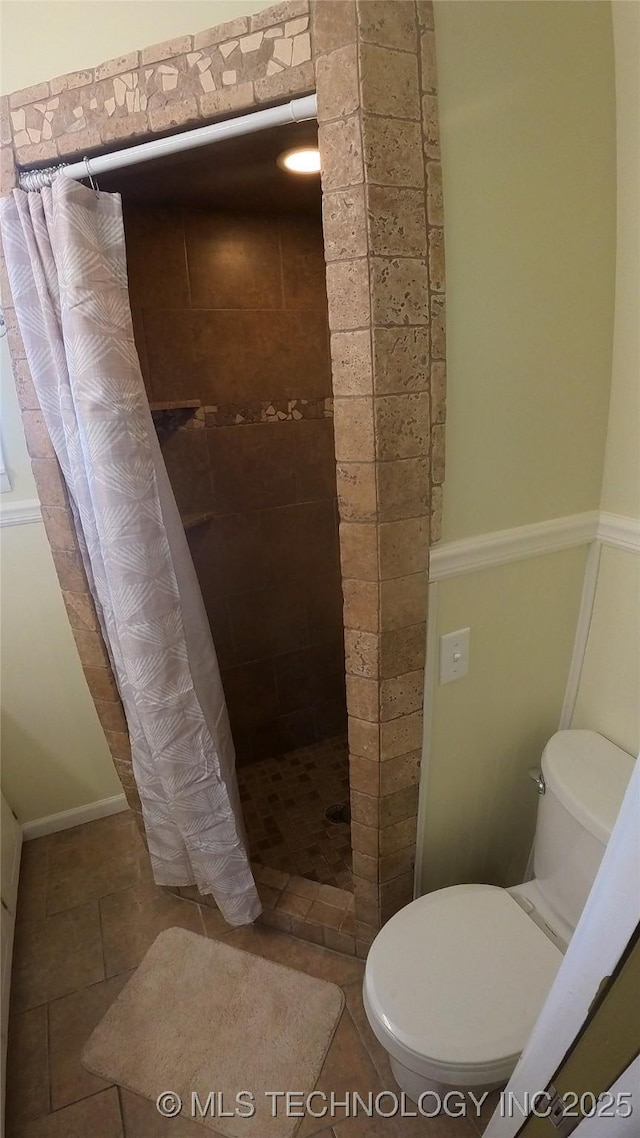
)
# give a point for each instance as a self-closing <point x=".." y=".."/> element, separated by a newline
<point x="454" y="655"/>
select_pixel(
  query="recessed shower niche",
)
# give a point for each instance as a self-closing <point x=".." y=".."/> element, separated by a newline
<point x="227" y="286"/>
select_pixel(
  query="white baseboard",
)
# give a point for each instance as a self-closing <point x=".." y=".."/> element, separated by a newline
<point x="75" y="817"/>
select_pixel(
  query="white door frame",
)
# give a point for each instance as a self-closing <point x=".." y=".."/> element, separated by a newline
<point x="611" y="914"/>
<point x="616" y="1127"/>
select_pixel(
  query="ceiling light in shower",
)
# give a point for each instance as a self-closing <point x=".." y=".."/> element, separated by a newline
<point x="302" y="160"/>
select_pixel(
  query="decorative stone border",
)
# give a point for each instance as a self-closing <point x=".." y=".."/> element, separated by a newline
<point x="272" y="411"/>
<point x="242" y="414"/>
<point x="252" y="59"/>
<point x="372" y="63"/>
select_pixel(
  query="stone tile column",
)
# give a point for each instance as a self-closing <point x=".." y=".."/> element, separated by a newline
<point x="382" y="213"/>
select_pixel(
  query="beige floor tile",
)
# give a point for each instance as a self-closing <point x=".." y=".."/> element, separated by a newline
<point x="276" y="878"/>
<point x="247" y="938"/>
<point x="91" y="861"/>
<point x="141" y="1120"/>
<point x="27" y="1066"/>
<point x="338" y="898"/>
<point x="55" y="956"/>
<point x="90" y="833"/>
<point x="95" y="1117"/>
<point x="304" y="888"/>
<point x="377" y="1127"/>
<point x="327" y="915"/>
<point x="132" y="919"/>
<point x="310" y="958"/>
<point x="214" y="923"/>
<point x="268" y="895"/>
<point x="376" y="1051"/>
<point x="347" y="1068"/>
<point x="71" y="1021"/>
<point x="32" y="886"/>
<point x="294" y="905"/>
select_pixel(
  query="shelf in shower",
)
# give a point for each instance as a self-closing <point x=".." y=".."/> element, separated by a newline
<point x="177" y="405"/>
<point x="190" y="521"/>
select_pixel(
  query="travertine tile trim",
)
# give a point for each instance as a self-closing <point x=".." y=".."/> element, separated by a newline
<point x="385" y="253"/>
<point x="318" y="913"/>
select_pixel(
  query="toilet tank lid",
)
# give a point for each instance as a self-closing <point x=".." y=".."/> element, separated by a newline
<point x="589" y="775"/>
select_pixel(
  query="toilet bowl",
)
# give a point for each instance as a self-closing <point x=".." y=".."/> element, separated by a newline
<point x="455" y="981"/>
<point x="471" y="973"/>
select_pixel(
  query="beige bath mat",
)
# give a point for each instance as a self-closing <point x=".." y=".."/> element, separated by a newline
<point x="201" y="1018"/>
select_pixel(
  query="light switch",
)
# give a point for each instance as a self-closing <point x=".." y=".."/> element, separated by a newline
<point x="454" y="655"/>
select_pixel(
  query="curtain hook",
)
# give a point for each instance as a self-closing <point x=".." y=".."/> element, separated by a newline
<point x="92" y="181"/>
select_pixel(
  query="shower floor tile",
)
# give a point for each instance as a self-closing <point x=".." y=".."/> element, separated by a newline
<point x="284" y="800"/>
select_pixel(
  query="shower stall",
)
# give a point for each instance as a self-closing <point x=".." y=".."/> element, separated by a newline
<point x="227" y="288"/>
<point x="221" y="237"/>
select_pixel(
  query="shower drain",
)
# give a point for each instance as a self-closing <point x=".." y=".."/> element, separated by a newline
<point x="341" y="812"/>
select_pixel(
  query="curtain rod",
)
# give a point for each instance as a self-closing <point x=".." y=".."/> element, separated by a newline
<point x="297" y="110"/>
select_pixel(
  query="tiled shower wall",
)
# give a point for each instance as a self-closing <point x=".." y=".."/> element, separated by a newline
<point x="231" y="310"/>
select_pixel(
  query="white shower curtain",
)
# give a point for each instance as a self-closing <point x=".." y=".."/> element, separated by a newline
<point x="65" y="256"/>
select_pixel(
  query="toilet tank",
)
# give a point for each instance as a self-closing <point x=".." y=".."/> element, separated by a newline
<point x="585" y="779"/>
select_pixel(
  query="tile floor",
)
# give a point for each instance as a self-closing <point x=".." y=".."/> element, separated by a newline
<point x="284" y="801"/>
<point x="312" y="911"/>
<point x="87" y="913"/>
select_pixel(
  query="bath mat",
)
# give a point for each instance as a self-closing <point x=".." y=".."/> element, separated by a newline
<point x="199" y="1016"/>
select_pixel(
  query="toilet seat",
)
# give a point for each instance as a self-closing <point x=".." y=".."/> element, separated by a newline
<point x="455" y="981"/>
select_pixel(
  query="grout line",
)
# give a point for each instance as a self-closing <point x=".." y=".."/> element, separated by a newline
<point x="376" y="256"/>
<point x="370" y="114"/>
<point x="120" y="1108"/>
<point x="48" y="1057"/>
<point x="104" y="959"/>
<point x="357" y="987"/>
<point x="46" y="877"/>
<point x="83" y="1098"/>
<point x="186" y="258"/>
<point x="283" y="307"/>
<point x="202" y="921"/>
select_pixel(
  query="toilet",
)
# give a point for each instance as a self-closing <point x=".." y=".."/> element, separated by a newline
<point x="454" y="982"/>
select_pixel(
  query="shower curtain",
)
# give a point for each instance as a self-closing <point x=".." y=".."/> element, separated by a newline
<point x="65" y="255"/>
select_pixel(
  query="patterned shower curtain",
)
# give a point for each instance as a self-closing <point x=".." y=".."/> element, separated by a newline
<point x="65" y="255"/>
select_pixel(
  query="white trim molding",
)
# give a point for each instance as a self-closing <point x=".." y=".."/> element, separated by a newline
<point x="20" y="513"/>
<point x="471" y="554"/>
<point x="585" y="614"/>
<point x="486" y="550"/>
<point x="103" y="808"/>
<point x="620" y="532"/>
<point x="616" y="532"/>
